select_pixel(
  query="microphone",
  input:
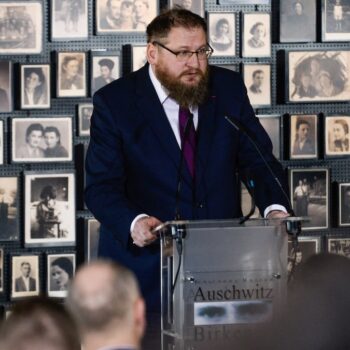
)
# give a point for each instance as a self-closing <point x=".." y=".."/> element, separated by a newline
<point x="245" y="131"/>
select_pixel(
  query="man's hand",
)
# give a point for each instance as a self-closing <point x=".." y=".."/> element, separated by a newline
<point x="141" y="234"/>
<point x="277" y="214"/>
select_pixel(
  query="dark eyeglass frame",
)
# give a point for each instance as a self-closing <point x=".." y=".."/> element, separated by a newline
<point x="185" y="55"/>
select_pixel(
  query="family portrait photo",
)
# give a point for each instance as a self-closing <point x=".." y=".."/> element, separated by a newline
<point x="317" y="76"/>
<point x="6" y="104"/>
<point x="196" y="6"/>
<point x="84" y="116"/>
<point x="340" y="246"/>
<point x="344" y="204"/>
<point x="42" y="139"/>
<point x="337" y="140"/>
<point x="49" y="209"/>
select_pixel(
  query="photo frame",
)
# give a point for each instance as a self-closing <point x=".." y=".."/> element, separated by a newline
<point x="257" y="79"/>
<point x="6" y="88"/>
<point x="309" y="190"/>
<point x="71" y="74"/>
<point x="84" y="116"/>
<point x="247" y="201"/>
<point x="195" y="6"/>
<point x="272" y="125"/>
<point x="344" y="204"/>
<point x="303" y="136"/>
<point x="69" y="20"/>
<point x="138" y="56"/>
<point x="335" y="20"/>
<point x="336" y="135"/>
<point x="222" y="33"/>
<point x="1" y="270"/>
<point x="92" y="235"/>
<point x="22" y="29"/>
<point x="339" y="245"/>
<point x="2" y="142"/>
<point x="35" y="86"/>
<point x="60" y="271"/>
<point x="49" y="203"/>
<point x="25" y="276"/>
<point x="297" y="21"/>
<point x="113" y="17"/>
<point x="42" y="139"/>
<point x="256" y="39"/>
<point x="9" y="207"/>
<point x="317" y="76"/>
<point x="105" y="67"/>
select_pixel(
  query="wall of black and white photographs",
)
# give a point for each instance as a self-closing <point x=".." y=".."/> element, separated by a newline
<point x="55" y="55"/>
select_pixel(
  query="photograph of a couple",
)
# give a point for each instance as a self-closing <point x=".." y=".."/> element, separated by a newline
<point x="42" y="139"/>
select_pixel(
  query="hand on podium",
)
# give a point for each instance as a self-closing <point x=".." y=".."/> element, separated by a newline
<point x="142" y="232"/>
<point x="277" y="214"/>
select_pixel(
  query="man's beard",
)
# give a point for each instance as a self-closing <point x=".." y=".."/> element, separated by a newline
<point x="184" y="94"/>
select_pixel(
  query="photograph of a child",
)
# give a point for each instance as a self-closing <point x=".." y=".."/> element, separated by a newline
<point x="42" y="139"/>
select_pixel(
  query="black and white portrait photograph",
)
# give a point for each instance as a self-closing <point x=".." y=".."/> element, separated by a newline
<point x="139" y="57"/>
<point x="303" y="136"/>
<point x="257" y="79"/>
<point x="21" y="27"/>
<point x="71" y="74"/>
<point x="35" y="86"/>
<point x="9" y="203"/>
<point x="92" y="235"/>
<point x="256" y="40"/>
<point x="315" y="76"/>
<point x="84" y="116"/>
<point x="118" y="16"/>
<point x="48" y="139"/>
<point x="60" y="271"/>
<point x="344" y="204"/>
<point x="310" y="193"/>
<point x="222" y="33"/>
<point x="49" y="209"/>
<point x="297" y="21"/>
<point x="335" y="20"/>
<point x="337" y="140"/>
<point x="272" y="125"/>
<point x="104" y="69"/>
<point x="196" y="6"/>
<point x="6" y="103"/>
<point x="339" y="245"/>
<point x="247" y="203"/>
<point x="25" y="276"/>
<point x="1" y="270"/>
<point x="69" y="20"/>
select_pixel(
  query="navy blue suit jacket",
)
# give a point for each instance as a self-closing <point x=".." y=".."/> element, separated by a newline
<point x="133" y="160"/>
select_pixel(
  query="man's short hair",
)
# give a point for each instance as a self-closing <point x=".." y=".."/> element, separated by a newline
<point x="300" y="122"/>
<point x="177" y="17"/>
<point x="94" y="311"/>
<point x="25" y="263"/>
<point x="106" y="62"/>
<point x="256" y="72"/>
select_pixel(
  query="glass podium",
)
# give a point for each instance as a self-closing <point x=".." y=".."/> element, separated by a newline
<point x="219" y="279"/>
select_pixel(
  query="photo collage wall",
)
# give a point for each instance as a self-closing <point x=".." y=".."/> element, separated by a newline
<point x="55" y="55"/>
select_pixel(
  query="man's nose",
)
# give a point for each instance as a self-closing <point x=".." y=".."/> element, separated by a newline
<point x="193" y="61"/>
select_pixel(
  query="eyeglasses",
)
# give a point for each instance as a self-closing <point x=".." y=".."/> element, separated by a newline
<point x="185" y="55"/>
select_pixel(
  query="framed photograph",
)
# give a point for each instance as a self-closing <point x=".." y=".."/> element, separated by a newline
<point x="139" y="57"/>
<point x="196" y="6"/>
<point x="25" y="276"/>
<point x="303" y="136"/>
<point x="308" y="246"/>
<point x="272" y="125"/>
<point x="246" y="203"/>
<point x="35" y="86"/>
<point x="336" y="133"/>
<point x="222" y="33"/>
<point x="1" y="270"/>
<point x="105" y="67"/>
<point x="256" y="41"/>
<point x="71" y="74"/>
<point x="69" y="20"/>
<point x="310" y="193"/>
<point x="6" y="79"/>
<point x="21" y="27"/>
<point x="9" y="202"/>
<point x="2" y="141"/>
<point x="84" y="116"/>
<point x="117" y="16"/>
<point x="92" y="235"/>
<point x="318" y="76"/>
<point x="344" y="204"/>
<point x="257" y="79"/>
<point x="47" y="139"/>
<point x="335" y="20"/>
<point x="49" y="209"/>
<point x="339" y="245"/>
<point x="60" y="271"/>
<point x="297" y="21"/>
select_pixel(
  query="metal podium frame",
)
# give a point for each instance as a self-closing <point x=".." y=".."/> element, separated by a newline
<point x="220" y="273"/>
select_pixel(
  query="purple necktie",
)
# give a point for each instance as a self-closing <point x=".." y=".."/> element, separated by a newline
<point x="188" y="138"/>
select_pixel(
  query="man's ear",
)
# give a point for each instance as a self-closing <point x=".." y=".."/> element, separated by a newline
<point x="140" y="316"/>
<point x="152" y="54"/>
